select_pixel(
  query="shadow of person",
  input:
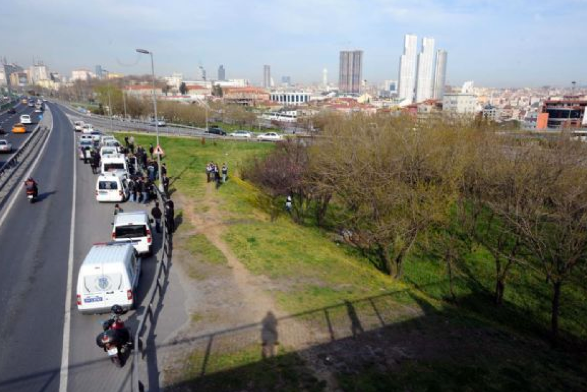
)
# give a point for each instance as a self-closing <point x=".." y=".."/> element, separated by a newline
<point x="356" y="327"/>
<point x="269" y="336"/>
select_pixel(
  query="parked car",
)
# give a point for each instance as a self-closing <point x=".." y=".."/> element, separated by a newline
<point x="269" y="137"/>
<point x="12" y="111"/>
<point x="87" y="128"/>
<point x="241" y="134"/>
<point x="160" y="123"/>
<point x="18" y="128"/>
<point x="216" y="131"/>
<point x="5" y="146"/>
<point x="77" y="126"/>
<point x="25" y="119"/>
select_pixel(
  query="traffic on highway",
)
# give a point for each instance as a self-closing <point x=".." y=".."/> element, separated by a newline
<point x="85" y="264"/>
<point x="14" y="131"/>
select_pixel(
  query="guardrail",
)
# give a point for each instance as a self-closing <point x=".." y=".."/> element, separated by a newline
<point x="148" y="317"/>
<point x="6" y="171"/>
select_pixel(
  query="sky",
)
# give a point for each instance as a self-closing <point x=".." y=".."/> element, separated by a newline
<point x="498" y="43"/>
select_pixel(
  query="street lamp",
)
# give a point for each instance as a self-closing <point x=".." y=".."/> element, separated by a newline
<point x="143" y="51"/>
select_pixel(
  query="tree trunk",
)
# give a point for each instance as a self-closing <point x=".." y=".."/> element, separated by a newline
<point x="321" y="208"/>
<point x="383" y="252"/>
<point x="399" y="259"/>
<point x="556" y="294"/>
<point x="499" y="289"/>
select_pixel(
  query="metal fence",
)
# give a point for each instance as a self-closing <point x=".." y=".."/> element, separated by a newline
<point x="149" y="315"/>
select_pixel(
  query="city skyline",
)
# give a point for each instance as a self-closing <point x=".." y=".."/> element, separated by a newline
<point x="499" y="45"/>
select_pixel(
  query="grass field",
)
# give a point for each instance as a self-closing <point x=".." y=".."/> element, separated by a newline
<point x="470" y="345"/>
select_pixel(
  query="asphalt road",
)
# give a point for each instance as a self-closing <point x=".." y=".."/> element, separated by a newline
<point x="7" y="120"/>
<point x="34" y="244"/>
<point x="34" y="252"/>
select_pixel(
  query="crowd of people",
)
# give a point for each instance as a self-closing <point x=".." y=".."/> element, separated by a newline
<point x="218" y="175"/>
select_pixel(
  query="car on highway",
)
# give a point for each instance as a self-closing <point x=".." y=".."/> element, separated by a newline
<point x="25" y="119"/>
<point x="241" y="134"/>
<point x="216" y="131"/>
<point x="78" y="125"/>
<point x="269" y="137"/>
<point x="104" y="138"/>
<point x="108" y="150"/>
<point x="160" y="123"/>
<point x="109" y="275"/>
<point x="87" y="128"/>
<point x="2" y="131"/>
<point x="31" y="104"/>
<point x="134" y="226"/>
<point x="38" y="110"/>
<point x="12" y="111"/>
<point x="5" y="147"/>
<point x="18" y="128"/>
<point x="96" y="136"/>
<point x="112" y="187"/>
<point x="84" y="148"/>
<point x="112" y="163"/>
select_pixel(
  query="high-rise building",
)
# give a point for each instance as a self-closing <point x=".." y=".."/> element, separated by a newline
<point x="286" y="80"/>
<point x="325" y="77"/>
<point x="440" y="74"/>
<point x="350" y="71"/>
<point x="99" y="73"/>
<point x="407" y="68"/>
<point x="425" y="80"/>
<point x="266" y="76"/>
<point x="221" y="73"/>
<point x="37" y="73"/>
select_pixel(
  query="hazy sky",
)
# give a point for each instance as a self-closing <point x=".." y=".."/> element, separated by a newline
<point x="493" y="42"/>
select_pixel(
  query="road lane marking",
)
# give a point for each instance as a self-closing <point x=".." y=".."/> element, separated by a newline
<point x="64" y="374"/>
<point x="28" y="174"/>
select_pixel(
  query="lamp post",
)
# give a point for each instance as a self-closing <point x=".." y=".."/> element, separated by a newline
<point x="143" y="51"/>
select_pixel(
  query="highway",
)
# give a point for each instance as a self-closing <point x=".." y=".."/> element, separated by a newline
<point x="7" y="120"/>
<point x="34" y="257"/>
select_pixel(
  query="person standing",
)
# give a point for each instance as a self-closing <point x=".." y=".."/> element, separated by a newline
<point x="217" y="176"/>
<point x="170" y="215"/>
<point x="224" y="172"/>
<point x="208" y="171"/>
<point x="156" y="213"/>
<point x="288" y="204"/>
<point x="126" y="141"/>
<point x="131" y="144"/>
<point x="165" y="181"/>
<point x="163" y="169"/>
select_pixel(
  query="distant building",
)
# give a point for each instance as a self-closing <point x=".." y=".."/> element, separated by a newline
<point x="490" y="112"/>
<point x="425" y="79"/>
<point x="19" y="79"/>
<point x="408" y="68"/>
<point x="350" y="72"/>
<point x="440" y="74"/>
<point x="460" y="103"/>
<point x="174" y="81"/>
<point x="325" y="77"/>
<point x="286" y="80"/>
<point x="98" y="72"/>
<point x="9" y="69"/>
<point x="80" y="74"/>
<point x="290" y="98"/>
<point x="201" y="73"/>
<point x="221" y="73"/>
<point x="114" y="75"/>
<point x="246" y="96"/>
<point x="568" y="112"/>
<point x="37" y="73"/>
<point x="266" y="76"/>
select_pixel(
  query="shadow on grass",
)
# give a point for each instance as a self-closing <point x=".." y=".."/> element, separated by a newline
<point x="394" y="341"/>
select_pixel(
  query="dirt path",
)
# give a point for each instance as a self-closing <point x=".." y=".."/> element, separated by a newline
<point x="225" y="298"/>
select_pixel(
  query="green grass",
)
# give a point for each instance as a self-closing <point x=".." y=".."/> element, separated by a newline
<point x="199" y="246"/>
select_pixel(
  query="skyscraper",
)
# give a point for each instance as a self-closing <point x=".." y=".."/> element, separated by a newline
<point x="350" y="71"/>
<point x="440" y="74"/>
<point x="99" y="71"/>
<point x="266" y="76"/>
<point x="221" y="73"/>
<point x="425" y="80"/>
<point x="407" y="68"/>
<point x="325" y="77"/>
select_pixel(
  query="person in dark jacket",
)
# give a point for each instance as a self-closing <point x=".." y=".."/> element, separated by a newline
<point x="157" y="214"/>
<point x="170" y="215"/>
<point x="151" y="149"/>
<point x="165" y="182"/>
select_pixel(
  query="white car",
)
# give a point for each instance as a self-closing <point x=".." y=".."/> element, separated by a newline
<point x="108" y="150"/>
<point x="269" y="137"/>
<point x="78" y="125"/>
<point x="241" y="134"/>
<point x="87" y="128"/>
<point x="5" y="146"/>
<point x="25" y="119"/>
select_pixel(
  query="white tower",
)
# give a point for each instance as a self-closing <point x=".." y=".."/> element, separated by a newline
<point x="440" y="74"/>
<point x="425" y="81"/>
<point x="325" y="77"/>
<point x="407" y="68"/>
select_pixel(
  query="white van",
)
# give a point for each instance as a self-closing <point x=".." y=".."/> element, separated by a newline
<point x="107" y="151"/>
<point x="112" y="187"/>
<point x="103" y="139"/>
<point x="133" y="226"/>
<point x="109" y="275"/>
<point x="78" y="125"/>
<point x="112" y="163"/>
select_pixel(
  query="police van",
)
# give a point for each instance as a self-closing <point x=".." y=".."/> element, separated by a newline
<point x="114" y="162"/>
<point x="109" y="275"/>
<point x="112" y="187"/>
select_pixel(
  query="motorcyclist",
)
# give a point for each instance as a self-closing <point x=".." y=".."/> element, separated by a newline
<point x="119" y="335"/>
<point x="31" y="185"/>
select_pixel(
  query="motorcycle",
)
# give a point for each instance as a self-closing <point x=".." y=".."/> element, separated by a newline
<point x="115" y="339"/>
<point x="31" y="192"/>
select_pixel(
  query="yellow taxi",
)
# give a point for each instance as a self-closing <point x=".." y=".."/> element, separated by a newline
<point x="18" y="128"/>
